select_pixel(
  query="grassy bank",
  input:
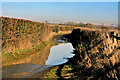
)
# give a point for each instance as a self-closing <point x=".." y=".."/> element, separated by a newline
<point x="24" y="34"/>
<point x="22" y="38"/>
<point x="18" y="55"/>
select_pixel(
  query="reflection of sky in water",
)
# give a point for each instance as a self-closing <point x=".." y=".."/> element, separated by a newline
<point x="58" y="52"/>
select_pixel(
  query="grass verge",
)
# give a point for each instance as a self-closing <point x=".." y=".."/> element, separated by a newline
<point x="54" y="72"/>
<point x="17" y="55"/>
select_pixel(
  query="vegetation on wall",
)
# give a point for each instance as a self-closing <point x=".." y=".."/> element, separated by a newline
<point x="21" y="35"/>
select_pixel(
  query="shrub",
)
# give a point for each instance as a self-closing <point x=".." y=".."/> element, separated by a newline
<point x="56" y="29"/>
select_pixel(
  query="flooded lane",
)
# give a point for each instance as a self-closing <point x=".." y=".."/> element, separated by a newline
<point x="58" y="54"/>
<point x="33" y="69"/>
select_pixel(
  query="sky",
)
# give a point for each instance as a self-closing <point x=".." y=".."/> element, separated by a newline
<point x="60" y="0"/>
<point x="92" y="12"/>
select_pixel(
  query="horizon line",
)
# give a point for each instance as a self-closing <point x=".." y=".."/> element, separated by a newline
<point x="53" y="22"/>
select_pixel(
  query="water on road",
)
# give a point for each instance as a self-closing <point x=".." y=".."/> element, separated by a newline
<point x="59" y="53"/>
